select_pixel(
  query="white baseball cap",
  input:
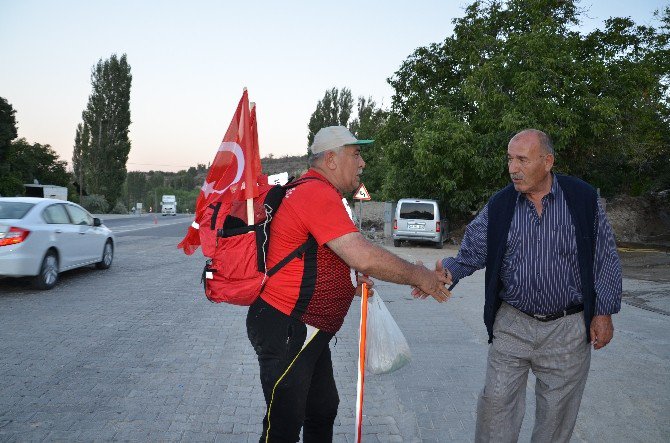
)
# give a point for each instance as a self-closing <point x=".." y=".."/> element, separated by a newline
<point x="332" y="137"/>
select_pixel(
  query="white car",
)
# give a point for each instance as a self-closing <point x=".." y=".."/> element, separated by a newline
<point x="42" y="237"/>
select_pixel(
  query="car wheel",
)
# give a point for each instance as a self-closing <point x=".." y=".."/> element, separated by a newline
<point x="396" y="243"/>
<point x="48" y="275"/>
<point x="439" y="244"/>
<point x="107" y="256"/>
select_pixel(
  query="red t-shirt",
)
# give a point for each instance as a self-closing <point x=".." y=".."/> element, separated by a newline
<point x="317" y="288"/>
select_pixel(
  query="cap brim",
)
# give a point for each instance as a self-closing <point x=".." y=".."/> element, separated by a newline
<point x="361" y="142"/>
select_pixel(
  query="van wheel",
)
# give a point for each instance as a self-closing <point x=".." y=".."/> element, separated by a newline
<point x="48" y="275"/>
<point x="439" y="244"/>
<point x="396" y="243"/>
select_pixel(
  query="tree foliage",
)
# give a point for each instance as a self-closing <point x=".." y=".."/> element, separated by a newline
<point x="510" y="65"/>
<point x="101" y="141"/>
<point x="8" y="130"/>
<point x="29" y="162"/>
<point x="22" y="162"/>
<point x="148" y="187"/>
<point x="96" y="204"/>
<point x="368" y="124"/>
<point x="333" y="110"/>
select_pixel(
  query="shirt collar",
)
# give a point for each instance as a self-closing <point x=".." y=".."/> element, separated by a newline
<point x="552" y="192"/>
<point x="554" y="186"/>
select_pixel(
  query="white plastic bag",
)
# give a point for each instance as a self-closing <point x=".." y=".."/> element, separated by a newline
<point x="386" y="349"/>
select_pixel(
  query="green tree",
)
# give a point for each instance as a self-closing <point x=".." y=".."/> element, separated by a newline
<point x="10" y="184"/>
<point x="148" y="187"/>
<point x="136" y="187"/>
<point x="333" y="110"/>
<point x="8" y="130"/>
<point x="368" y="124"/>
<point x="30" y="162"/>
<point x="82" y="140"/>
<point x="514" y="64"/>
<point x="101" y="141"/>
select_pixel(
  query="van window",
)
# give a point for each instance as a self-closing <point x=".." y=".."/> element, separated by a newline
<point x="417" y="211"/>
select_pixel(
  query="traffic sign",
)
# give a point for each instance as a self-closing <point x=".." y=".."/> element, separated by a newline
<point x="362" y="193"/>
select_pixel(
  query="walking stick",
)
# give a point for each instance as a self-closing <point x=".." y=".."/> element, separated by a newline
<point x="360" y="386"/>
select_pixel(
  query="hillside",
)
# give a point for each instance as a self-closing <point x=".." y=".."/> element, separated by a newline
<point x="294" y="165"/>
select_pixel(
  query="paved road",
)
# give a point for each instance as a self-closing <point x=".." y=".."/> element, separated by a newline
<point x="137" y="353"/>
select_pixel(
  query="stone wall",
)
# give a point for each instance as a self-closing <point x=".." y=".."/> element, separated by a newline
<point x="640" y="219"/>
<point x="373" y="214"/>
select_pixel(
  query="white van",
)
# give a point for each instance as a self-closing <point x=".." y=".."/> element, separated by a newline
<point x="419" y="220"/>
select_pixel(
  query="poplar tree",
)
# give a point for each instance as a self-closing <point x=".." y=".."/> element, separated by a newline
<point x="8" y="130"/>
<point x="101" y="141"/>
<point x="333" y="110"/>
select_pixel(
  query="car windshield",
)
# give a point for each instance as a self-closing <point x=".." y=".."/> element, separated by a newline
<point x="417" y="211"/>
<point x="14" y="210"/>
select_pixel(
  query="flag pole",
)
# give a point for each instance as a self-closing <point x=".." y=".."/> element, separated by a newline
<point x="250" y="201"/>
<point x="360" y="386"/>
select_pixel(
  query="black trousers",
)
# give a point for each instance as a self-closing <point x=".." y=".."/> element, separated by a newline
<point x="296" y="373"/>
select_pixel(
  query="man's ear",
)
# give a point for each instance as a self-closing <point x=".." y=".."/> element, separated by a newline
<point x="549" y="162"/>
<point x="330" y="160"/>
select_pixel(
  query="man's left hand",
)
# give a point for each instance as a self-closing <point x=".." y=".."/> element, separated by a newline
<point x="602" y="331"/>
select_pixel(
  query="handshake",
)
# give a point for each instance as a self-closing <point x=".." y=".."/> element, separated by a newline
<point x="433" y="283"/>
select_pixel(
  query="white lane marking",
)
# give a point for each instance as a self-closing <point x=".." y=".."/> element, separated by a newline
<point x="140" y="226"/>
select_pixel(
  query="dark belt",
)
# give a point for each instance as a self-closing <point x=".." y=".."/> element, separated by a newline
<point x="556" y="315"/>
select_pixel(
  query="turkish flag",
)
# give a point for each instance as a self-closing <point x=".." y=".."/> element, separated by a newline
<point x="252" y="170"/>
<point x="233" y="170"/>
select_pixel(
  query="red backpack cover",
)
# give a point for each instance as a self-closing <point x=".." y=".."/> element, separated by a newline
<point x="236" y="270"/>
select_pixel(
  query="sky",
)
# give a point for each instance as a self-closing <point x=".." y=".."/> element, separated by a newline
<point x="191" y="60"/>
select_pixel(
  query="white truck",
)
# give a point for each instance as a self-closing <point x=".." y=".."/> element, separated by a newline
<point x="46" y="191"/>
<point x="169" y="205"/>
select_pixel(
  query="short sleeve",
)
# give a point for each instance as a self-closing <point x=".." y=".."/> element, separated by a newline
<point x="321" y="211"/>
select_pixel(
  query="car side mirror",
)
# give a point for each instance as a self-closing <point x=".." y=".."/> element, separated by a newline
<point x="97" y="221"/>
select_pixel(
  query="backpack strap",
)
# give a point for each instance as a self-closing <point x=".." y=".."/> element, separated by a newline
<point x="215" y="214"/>
<point x="297" y="252"/>
<point x="272" y="200"/>
<point x="301" y="180"/>
<point x="231" y="232"/>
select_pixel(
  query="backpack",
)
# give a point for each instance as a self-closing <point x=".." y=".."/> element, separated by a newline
<point x="236" y="271"/>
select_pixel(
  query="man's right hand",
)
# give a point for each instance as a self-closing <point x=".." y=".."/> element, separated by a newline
<point x="434" y="284"/>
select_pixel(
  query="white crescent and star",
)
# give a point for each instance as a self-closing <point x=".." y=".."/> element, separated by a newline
<point x="236" y="150"/>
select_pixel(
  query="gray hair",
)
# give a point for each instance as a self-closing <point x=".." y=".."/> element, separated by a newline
<point x="545" y="142"/>
<point x="315" y="159"/>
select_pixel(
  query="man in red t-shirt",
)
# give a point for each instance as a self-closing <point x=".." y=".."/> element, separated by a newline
<point x="304" y="304"/>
